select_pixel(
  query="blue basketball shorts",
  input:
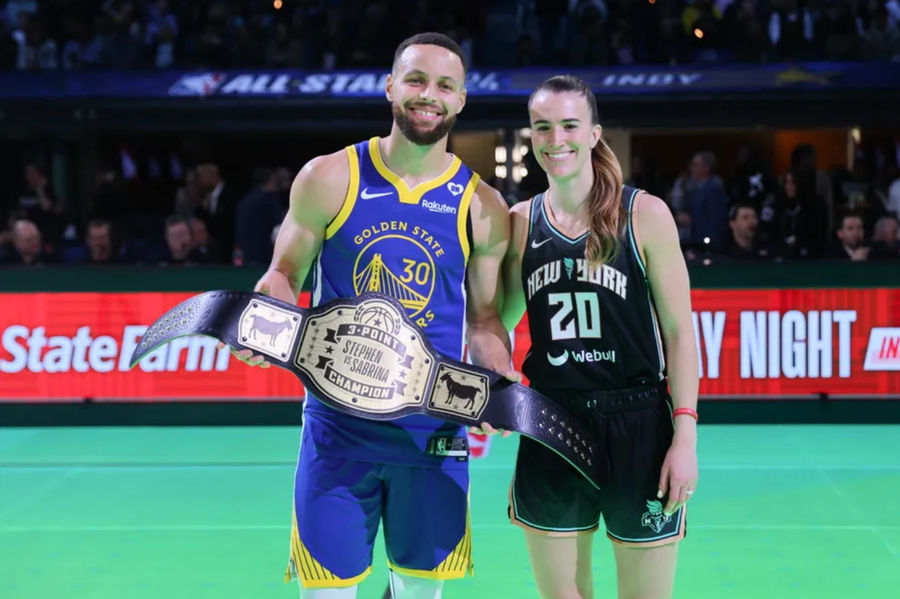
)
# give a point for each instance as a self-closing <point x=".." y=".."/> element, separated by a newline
<point x="339" y="503"/>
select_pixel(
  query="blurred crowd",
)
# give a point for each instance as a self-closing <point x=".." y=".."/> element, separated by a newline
<point x="807" y="213"/>
<point x="748" y="214"/>
<point x="329" y="34"/>
<point x="208" y="222"/>
<point x="201" y="215"/>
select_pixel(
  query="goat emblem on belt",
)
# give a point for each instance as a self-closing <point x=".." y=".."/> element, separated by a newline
<point x="459" y="392"/>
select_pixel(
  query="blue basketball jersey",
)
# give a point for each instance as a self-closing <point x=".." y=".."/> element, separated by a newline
<point x="410" y="244"/>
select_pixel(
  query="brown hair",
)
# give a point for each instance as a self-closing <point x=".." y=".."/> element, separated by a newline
<point x="606" y="214"/>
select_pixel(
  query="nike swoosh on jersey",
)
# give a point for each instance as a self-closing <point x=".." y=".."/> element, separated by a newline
<point x="535" y="245"/>
<point x="368" y="196"/>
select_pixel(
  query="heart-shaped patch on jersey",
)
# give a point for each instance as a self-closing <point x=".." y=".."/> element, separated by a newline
<point x="455" y="188"/>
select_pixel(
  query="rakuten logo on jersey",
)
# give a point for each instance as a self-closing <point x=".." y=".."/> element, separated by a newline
<point x="883" y="352"/>
<point x="31" y="350"/>
<point x="438" y="207"/>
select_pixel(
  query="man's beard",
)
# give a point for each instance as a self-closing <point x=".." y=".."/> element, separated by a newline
<point x="421" y="138"/>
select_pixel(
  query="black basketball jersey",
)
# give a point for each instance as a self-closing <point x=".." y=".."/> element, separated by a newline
<point x="592" y="327"/>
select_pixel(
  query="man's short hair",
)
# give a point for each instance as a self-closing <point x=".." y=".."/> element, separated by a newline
<point x="736" y="208"/>
<point x="843" y="216"/>
<point x="262" y="175"/>
<point x="883" y="222"/>
<point x="432" y="39"/>
<point x="96" y="223"/>
<point x="176" y="219"/>
<point x="709" y="159"/>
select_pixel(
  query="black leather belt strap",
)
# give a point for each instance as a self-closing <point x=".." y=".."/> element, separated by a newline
<point x="365" y="357"/>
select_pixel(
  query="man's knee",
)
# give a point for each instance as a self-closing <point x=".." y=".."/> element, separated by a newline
<point x="404" y="586"/>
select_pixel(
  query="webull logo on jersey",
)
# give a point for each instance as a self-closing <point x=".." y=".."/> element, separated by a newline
<point x="199" y="84"/>
<point x="582" y="356"/>
<point x="26" y="349"/>
<point x="438" y="207"/>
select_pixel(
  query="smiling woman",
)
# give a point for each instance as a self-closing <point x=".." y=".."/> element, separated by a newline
<point x="586" y="259"/>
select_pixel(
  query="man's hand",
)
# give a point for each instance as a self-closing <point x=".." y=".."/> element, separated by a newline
<point x="246" y="356"/>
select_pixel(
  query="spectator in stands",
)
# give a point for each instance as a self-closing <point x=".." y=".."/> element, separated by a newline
<point x="790" y="31"/>
<point x="205" y="247"/>
<point x="161" y="32"/>
<point x="258" y="213"/>
<point x="804" y="219"/>
<point x="744" y="243"/>
<point x="893" y="200"/>
<point x="882" y="40"/>
<point x="218" y="202"/>
<point x="180" y="242"/>
<point x="850" y="239"/>
<point x="837" y="32"/>
<point x="102" y="249"/>
<point x="754" y="184"/>
<point x="744" y="31"/>
<point x="753" y="181"/>
<point x="345" y="33"/>
<point x="589" y="44"/>
<point x="702" y="22"/>
<point x="128" y="45"/>
<point x="886" y="240"/>
<point x="188" y="197"/>
<point x="8" y="48"/>
<point x="20" y="35"/>
<point x="211" y="49"/>
<point x="27" y="247"/>
<point x="706" y="203"/>
<point x="42" y="49"/>
<point x="812" y="182"/>
<point x="37" y="204"/>
<point x="282" y="50"/>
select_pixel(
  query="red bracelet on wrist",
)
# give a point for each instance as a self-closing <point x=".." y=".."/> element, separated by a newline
<point x="687" y="411"/>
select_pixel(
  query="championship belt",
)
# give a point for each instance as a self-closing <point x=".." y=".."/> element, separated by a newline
<point x="365" y="357"/>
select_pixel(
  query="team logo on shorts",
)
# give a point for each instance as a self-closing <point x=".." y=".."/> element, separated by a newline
<point x="459" y="392"/>
<point x="268" y="329"/>
<point x="654" y="518"/>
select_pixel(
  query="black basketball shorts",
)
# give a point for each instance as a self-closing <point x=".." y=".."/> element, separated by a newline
<point x="634" y="427"/>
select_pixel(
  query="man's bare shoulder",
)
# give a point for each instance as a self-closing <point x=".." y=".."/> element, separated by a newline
<point x="324" y="171"/>
<point x="321" y="186"/>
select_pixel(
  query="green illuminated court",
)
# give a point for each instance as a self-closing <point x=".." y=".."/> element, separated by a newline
<point x="780" y="512"/>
